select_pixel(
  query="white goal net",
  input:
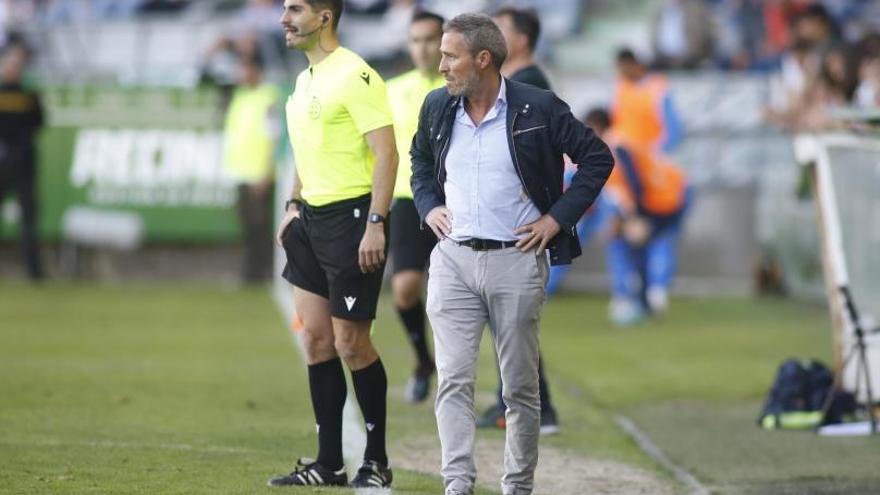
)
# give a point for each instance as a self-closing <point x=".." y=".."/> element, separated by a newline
<point x="848" y="193"/>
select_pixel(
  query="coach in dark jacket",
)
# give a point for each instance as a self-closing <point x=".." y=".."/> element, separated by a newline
<point x="487" y="179"/>
<point x="540" y="128"/>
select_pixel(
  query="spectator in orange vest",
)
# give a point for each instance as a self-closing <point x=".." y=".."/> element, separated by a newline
<point x="642" y="111"/>
<point x="647" y="198"/>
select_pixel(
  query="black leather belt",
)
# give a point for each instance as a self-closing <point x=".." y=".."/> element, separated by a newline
<point x="485" y="244"/>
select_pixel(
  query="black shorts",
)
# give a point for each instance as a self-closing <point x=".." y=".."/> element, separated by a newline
<point x="410" y="245"/>
<point x="322" y="257"/>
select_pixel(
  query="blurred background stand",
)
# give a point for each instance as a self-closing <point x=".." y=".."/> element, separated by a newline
<point x="90" y="235"/>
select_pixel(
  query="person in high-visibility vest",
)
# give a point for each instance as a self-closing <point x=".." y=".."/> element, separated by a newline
<point x="642" y="111"/>
<point x="410" y="244"/>
<point x="251" y="133"/>
<point x="647" y="199"/>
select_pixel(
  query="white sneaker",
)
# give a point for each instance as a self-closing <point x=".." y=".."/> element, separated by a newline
<point x="625" y="312"/>
<point x="658" y="299"/>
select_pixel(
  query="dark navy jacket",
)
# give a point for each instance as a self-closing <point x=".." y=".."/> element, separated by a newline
<point x="540" y="128"/>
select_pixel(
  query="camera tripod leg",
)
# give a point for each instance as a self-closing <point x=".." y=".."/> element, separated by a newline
<point x="863" y="361"/>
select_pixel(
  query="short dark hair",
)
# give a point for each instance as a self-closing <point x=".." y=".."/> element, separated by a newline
<point x="626" y="55"/>
<point x="525" y="21"/>
<point x="598" y="118"/>
<point x="480" y="33"/>
<point x="817" y="12"/>
<point x="335" y="6"/>
<point x="426" y="15"/>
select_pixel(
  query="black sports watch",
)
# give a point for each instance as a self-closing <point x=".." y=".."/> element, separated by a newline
<point x="376" y="218"/>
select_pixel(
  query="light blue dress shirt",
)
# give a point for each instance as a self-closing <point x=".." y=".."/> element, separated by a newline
<point x="483" y="189"/>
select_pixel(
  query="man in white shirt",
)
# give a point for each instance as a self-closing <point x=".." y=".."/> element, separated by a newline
<point x="487" y="179"/>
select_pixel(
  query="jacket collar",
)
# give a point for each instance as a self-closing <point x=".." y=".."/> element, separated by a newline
<point x="516" y="104"/>
<point x="516" y="101"/>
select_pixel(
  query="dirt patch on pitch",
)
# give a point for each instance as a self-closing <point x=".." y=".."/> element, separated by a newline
<point x="559" y="472"/>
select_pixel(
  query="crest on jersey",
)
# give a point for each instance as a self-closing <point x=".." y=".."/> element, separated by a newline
<point x="315" y="109"/>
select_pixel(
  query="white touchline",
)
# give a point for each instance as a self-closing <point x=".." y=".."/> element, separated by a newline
<point x="649" y="447"/>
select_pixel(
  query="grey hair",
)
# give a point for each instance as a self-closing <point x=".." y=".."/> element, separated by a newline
<point x="480" y="33"/>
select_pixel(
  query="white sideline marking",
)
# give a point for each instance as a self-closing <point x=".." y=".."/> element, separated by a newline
<point x="183" y="447"/>
<point x="644" y="442"/>
<point x="354" y="439"/>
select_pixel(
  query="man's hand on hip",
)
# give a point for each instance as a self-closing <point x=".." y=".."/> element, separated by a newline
<point x="537" y="234"/>
<point x="440" y="221"/>
<point x="371" y="253"/>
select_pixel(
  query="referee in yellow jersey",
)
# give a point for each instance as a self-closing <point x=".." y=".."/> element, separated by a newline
<point x="334" y="233"/>
<point x="410" y="244"/>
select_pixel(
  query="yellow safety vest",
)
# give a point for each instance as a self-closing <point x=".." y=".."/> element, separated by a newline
<point x="409" y="91"/>
<point x="249" y="137"/>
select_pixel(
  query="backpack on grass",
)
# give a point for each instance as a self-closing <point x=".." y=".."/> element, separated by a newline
<point x="799" y="391"/>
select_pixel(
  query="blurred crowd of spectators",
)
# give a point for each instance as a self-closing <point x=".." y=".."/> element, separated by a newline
<point x="826" y="53"/>
<point x="55" y="11"/>
<point x="822" y="69"/>
<point x="60" y="11"/>
<point x="752" y="34"/>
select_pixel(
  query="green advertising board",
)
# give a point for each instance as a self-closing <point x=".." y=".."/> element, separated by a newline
<point x="156" y="153"/>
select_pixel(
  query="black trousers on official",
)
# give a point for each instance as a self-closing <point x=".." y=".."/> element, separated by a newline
<point x="255" y="216"/>
<point x="18" y="175"/>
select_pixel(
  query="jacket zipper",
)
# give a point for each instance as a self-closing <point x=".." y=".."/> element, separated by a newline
<point x="442" y="158"/>
<point x="523" y="131"/>
<point x="437" y="165"/>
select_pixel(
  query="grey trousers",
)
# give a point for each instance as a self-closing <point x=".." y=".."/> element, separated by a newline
<point x="466" y="290"/>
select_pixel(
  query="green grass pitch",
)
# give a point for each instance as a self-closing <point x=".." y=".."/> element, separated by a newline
<point x="168" y="388"/>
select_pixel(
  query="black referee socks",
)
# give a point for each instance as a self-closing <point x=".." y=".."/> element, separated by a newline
<point x="414" y="321"/>
<point x="328" y="389"/>
<point x="371" y="388"/>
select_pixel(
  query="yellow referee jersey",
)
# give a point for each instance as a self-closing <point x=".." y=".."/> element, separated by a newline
<point x="334" y="103"/>
<point x="409" y="92"/>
